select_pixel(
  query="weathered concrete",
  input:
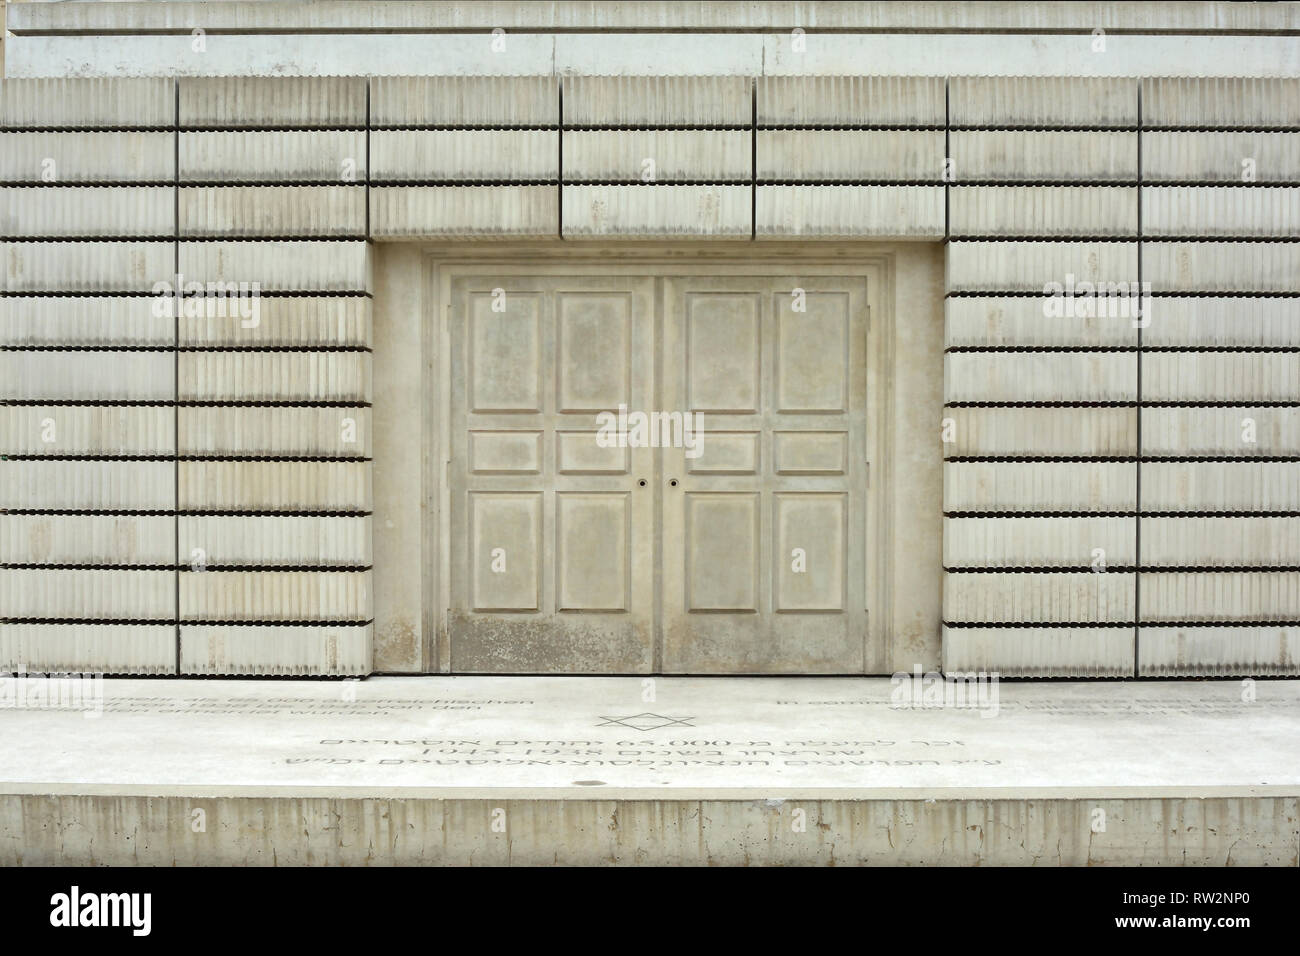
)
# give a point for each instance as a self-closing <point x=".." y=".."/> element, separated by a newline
<point x="319" y="831"/>
<point x="625" y="771"/>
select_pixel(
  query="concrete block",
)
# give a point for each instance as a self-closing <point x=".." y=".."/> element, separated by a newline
<point x="1042" y="431"/>
<point x="289" y="266"/>
<point x="59" y="484"/>
<point x="123" y="540"/>
<point x="1221" y="596"/>
<point x="294" y="101"/>
<point x="1221" y="431"/>
<point x="1220" y="486"/>
<point x="657" y="101"/>
<point x="1039" y="486"/>
<point x="85" y="266"/>
<point x="457" y="155"/>
<point x="212" y="211"/>
<point x="287" y="431"/>
<point x="1020" y="155"/>
<point x="86" y="320"/>
<point x="274" y="376"/>
<point x="662" y="156"/>
<point x="1227" y="651"/>
<point x="1040" y="376"/>
<point x="219" y="596"/>
<point x="261" y="540"/>
<point x="849" y="154"/>
<point x="87" y="156"/>
<point x="648" y="212"/>
<point x="88" y="648"/>
<point x="467" y="212"/>
<point x="984" y="321"/>
<point x="827" y="212"/>
<point x="274" y="486"/>
<point x="850" y="100"/>
<point x="268" y="650"/>
<point x="87" y="430"/>
<point x="1220" y="101"/>
<point x="1220" y="542"/>
<point x="279" y="321"/>
<point x="1259" y="212"/>
<point x="1053" y="101"/>
<point x="1228" y="321"/>
<point x="79" y="594"/>
<point x="88" y="376"/>
<point x="464" y="101"/>
<point x="1039" y="652"/>
<point x="65" y="211"/>
<point x="1030" y="266"/>
<point x="1081" y="597"/>
<point x="1221" y="266"/>
<point x="1220" y="376"/>
<point x="1220" y="157"/>
<point x="84" y="101"/>
<point x="318" y="155"/>
<point x="1048" y="211"/>
<point x="1039" y="542"/>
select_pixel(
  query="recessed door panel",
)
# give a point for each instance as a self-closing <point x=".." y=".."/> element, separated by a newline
<point x="764" y="524"/>
<point x="552" y="527"/>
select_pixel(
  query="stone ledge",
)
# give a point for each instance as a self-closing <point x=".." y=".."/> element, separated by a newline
<point x="584" y="771"/>
<point x="557" y="738"/>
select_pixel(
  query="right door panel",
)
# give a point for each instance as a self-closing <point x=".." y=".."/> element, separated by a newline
<point x="764" y="522"/>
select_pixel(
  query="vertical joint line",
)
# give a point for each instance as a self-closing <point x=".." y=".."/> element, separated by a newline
<point x="559" y="154"/>
<point x="947" y="157"/>
<point x="1137" y="530"/>
<point x="753" y="158"/>
<point x="176" y="367"/>
<point x="369" y="80"/>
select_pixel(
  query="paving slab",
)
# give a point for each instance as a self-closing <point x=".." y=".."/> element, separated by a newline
<point x="663" y="738"/>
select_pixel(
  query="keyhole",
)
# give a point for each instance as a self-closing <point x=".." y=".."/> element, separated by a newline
<point x="641" y="482"/>
<point x="673" y="482"/>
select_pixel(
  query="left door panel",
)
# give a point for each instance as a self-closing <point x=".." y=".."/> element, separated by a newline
<point x="552" y="550"/>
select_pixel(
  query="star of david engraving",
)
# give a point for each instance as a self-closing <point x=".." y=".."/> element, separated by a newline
<point x="646" y="721"/>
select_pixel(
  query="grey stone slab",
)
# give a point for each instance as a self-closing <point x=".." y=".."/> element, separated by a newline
<point x="318" y="155"/>
<point x="273" y="540"/>
<point x="699" y="738"/>
<point x="272" y="650"/>
<point x="846" y="212"/>
<point x="334" y="431"/>
<point x="87" y="156"/>
<point x="1088" y="652"/>
<point x="334" y="486"/>
<point x="1022" y="542"/>
<point x="90" y="649"/>
<point x="276" y="596"/>
<point x="1211" y="651"/>
<point x="302" y="102"/>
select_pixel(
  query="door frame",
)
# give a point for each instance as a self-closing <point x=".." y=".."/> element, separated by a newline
<point x="870" y="261"/>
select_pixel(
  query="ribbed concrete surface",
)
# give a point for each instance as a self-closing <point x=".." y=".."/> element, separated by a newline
<point x="108" y="188"/>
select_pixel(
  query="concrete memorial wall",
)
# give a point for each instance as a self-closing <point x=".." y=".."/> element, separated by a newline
<point x="188" y="330"/>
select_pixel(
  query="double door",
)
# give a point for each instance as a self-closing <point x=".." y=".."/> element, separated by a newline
<point x="657" y="473"/>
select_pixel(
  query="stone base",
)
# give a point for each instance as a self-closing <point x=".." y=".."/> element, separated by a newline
<point x="523" y="771"/>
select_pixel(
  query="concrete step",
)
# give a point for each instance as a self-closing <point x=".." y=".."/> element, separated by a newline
<point x="631" y="770"/>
